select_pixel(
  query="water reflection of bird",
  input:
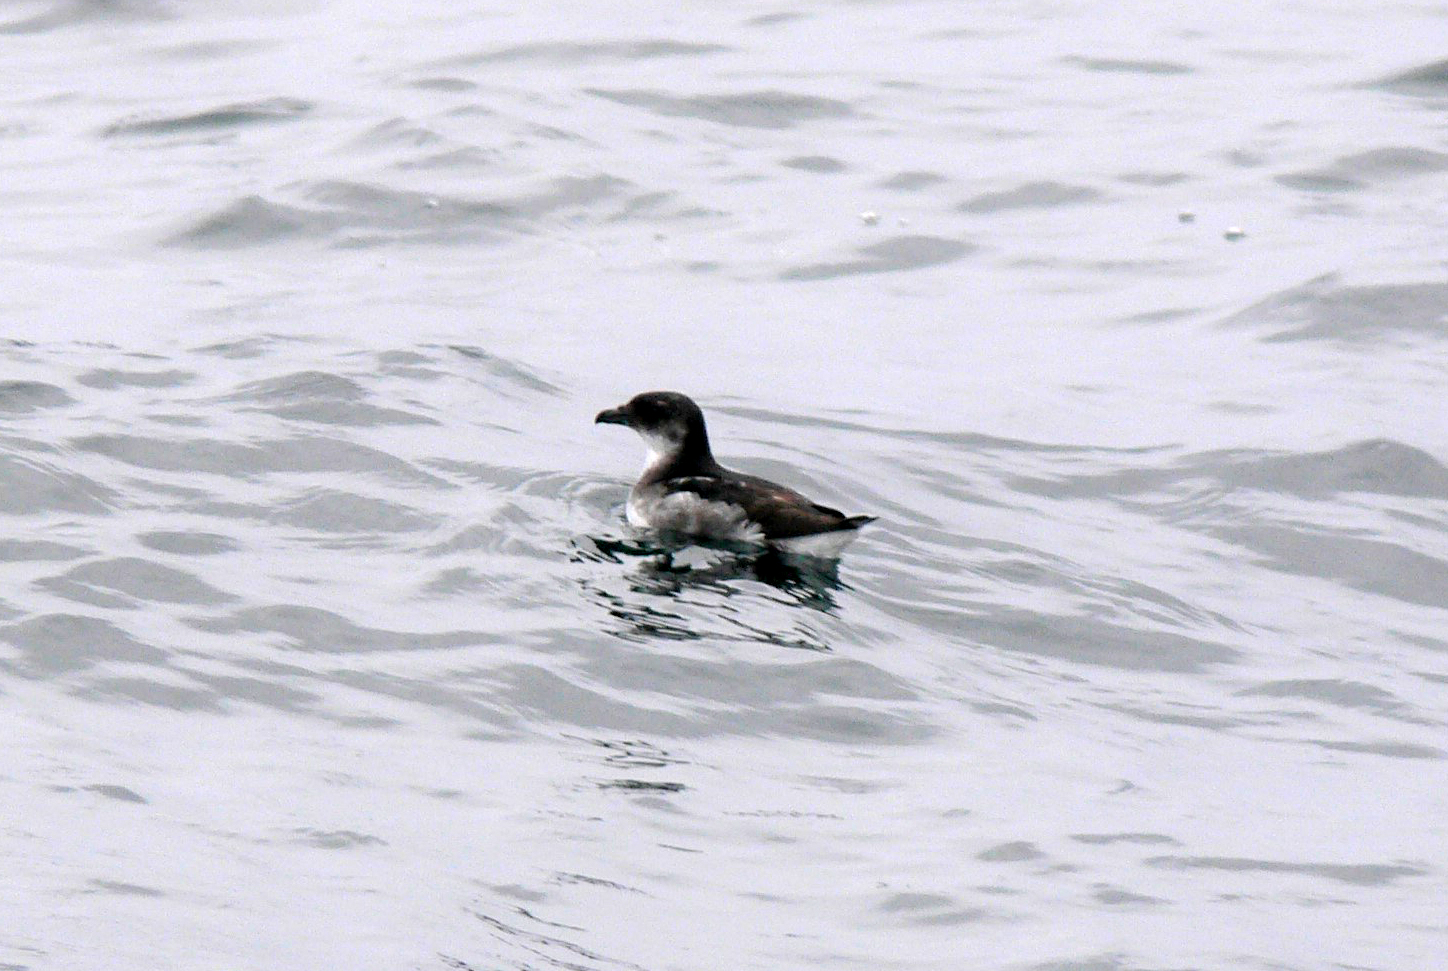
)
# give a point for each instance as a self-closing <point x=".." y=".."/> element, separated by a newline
<point x="810" y="582"/>
<point x="664" y="589"/>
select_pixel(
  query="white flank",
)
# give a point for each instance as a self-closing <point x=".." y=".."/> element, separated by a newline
<point x="685" y="512"/>
<point x="826" y="546"/>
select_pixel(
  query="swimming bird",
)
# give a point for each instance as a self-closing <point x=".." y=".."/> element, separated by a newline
<point x="684" y="490"/>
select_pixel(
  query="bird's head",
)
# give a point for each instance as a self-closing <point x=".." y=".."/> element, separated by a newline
<point x="667" y="421"/>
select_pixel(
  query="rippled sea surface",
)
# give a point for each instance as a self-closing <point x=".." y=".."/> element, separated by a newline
<point x="323" y="643"/>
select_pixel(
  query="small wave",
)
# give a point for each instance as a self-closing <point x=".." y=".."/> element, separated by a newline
<point x="1031" y="195"/>
<point x="398" y="131"/>
<point x="343" y="512"/>
<point x="137" y="580"/>
<point x="1089" y="640"/>
<point x="451" y="85"/>
<point x="30" y="485"/>
<point x="122" y="889"/>
<point x="214" y="50"/>
<point x="890" y="256"/>
<point x="1154" y="178"/>
<point x="1367" y="168"/>
<point x="1371" y="565"/>
<point x="187" y="542"/>
<point x="358" y="213"/>
<point x="932" y="909"/>
<point x="1135" y="839"/>
<point x="363" y="205"/>
<point x="56" y="644"/>
<point x="118" y="793"/>
<point x="1379" y="466"/>
<point x="819" y="164"/>
<point x="1362" y="874"/>
<point x="510" y="373"/>
<point x="300" y="385"/>
<point x="334" y="839"/>
<point x="265" y="112"/>
<point x="1330" y="691"/>
<point x="1389" y="749"/>
<point x="203" y="455"/>
<point x="248" y="347"/>
<point x="317" y="631"/>
<point x="912" y="180"/>
<point x="1324" y="309"/>
<point x="466" y="157"/>
<point x="755" y="109"/>
<point x="73" y="13"/>
<point x="774" y="19"/>
<point x="537" y="945"/>
<point x="112" y="378"/>
<point x="1426" y="79"/>
<point x="26" y="396"/>
<point x="1311" y="543"/>
<point x="38" y="550"/>
<point x="322" y="398"/>
<point x="1111" y="65"/>
<point x="566" y="53"/>
<point x="253" y="221"/>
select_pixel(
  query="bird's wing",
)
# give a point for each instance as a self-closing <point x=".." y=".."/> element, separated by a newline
<point x="782" y="513"/>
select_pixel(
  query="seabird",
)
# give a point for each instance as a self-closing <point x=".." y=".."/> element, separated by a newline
<point x="684" y="490"/>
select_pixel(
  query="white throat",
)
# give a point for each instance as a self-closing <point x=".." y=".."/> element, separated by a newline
<point x="661" y="448"/>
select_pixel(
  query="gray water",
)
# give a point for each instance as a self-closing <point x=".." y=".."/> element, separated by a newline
<point x="323" y="643"/>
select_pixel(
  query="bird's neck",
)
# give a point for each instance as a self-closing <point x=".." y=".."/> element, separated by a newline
<point x="672" y="459"/>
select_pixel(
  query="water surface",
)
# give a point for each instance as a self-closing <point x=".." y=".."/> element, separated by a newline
<point x="323" y="642"/>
